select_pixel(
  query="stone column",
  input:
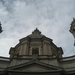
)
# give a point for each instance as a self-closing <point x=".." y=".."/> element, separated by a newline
<point x="49" y="50"/>
<point x="21" y="50"/>
<point x="45" y="48"/>
<point x="40" y="51"/>
<point x="24" y="49"/>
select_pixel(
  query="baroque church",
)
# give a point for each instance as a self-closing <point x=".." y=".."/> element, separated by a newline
<point x="36" y="54"/>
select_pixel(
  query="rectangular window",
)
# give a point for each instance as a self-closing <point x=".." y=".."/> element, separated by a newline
<point x="35" y="51"/>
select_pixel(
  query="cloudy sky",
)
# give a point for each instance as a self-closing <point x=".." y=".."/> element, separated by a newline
<point x="52" y="17"/>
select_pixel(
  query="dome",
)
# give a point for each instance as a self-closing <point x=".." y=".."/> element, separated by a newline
<point x="35" y="44"/>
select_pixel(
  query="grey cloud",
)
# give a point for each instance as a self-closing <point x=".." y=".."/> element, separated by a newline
<point x="53" y="17"/>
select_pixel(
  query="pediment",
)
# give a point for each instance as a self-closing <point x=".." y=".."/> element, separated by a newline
<point x="34" y="67"/>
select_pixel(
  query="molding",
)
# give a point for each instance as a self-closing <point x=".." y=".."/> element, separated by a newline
<point x="65" y="59"/>
<point x="5" y="59"/>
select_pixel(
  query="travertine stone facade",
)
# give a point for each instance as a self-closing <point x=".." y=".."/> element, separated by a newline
<point x="36" y="54"/>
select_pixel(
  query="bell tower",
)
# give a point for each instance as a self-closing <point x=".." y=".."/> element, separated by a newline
<point x="72" y="29"/>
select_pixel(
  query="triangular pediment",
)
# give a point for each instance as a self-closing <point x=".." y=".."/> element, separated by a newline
<point x="34" y="66"/>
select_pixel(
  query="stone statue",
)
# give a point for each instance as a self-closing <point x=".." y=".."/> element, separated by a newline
<point x="0" y="28"/>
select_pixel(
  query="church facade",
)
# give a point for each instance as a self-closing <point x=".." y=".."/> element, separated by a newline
<point x="36" y="54"/>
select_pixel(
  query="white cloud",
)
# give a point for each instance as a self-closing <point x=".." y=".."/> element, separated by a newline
<point x="53" y="17"/>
